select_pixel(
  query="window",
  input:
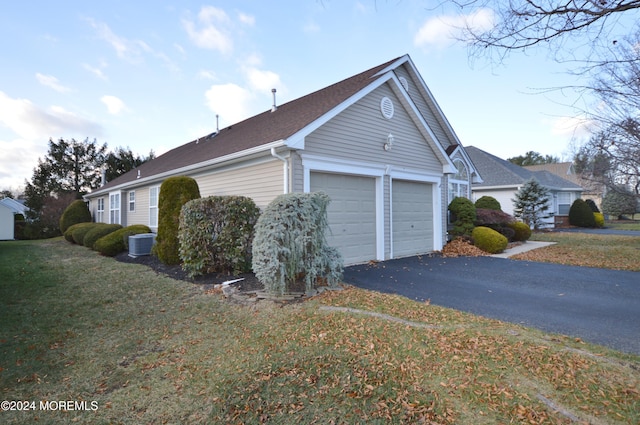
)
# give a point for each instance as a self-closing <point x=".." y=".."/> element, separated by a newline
<point x="564" y="203"/>
<point x="114" y="208"/>
<point x="100" y="211"/>
<point x="132" y="201"/>
<point x="459" y="182"/>
<point x="153" y="206"/>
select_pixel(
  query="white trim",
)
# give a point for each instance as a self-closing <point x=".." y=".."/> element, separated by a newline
<point x="313" y="163"/>
<point x="118" y="195"/>
<point x="151" y="226"/>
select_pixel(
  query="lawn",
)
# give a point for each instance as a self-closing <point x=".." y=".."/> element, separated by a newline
<point x="582" y="249"/>
<point x="127" y="345"/>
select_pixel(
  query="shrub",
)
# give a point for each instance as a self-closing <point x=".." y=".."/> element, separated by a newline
<point x="79" y="232"/>
<point x="290" y="243"/>
<point x="619" y="201"/>
<point x="599" y="218"/>
<point x="581" y="215"/>
<point x="464" y="216"/>
<point x="489" y="240"/>
<point x="216" y="234"/>
<point x="592" y="205"/>
<point x="118" y="241"/>
<point x="522" y="231"/>
<point x="488" y="217"/>
<point x="96" y="232"/>
<point x="76" y="212"/>
<point x="531" y="203"/>
<point x="68" y="235"/>
<point x="174" y="193"/>
<point x="489" y="203"/>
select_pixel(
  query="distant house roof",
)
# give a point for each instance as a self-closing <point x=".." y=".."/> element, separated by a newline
<point x="16" y="206"/>
<point x="269" y="128"/>
<point x="562" y="169"/>
<point x="497" y="172"/>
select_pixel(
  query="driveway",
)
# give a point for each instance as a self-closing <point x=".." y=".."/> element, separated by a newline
<point x="597" y="305"/>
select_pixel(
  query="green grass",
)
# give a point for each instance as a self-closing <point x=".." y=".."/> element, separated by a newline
<point x="149" y="349"/>
<point x="623" y="225"/>
<point x="588" y="250"/>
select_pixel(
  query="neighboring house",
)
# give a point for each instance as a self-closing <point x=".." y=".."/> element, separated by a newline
<point x="502" y="179"/>
<point x="8" y="210"/>
<point x="377" y="143"/>
<point x="592" y="190"/>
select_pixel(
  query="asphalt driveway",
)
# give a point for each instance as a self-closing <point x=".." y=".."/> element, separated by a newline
<point x="597" y="305"/>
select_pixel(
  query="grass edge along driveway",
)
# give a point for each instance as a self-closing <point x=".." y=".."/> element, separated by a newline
<point x="143" y="348"/>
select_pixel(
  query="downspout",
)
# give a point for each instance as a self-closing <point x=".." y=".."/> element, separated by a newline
<point x="285" y="163"/>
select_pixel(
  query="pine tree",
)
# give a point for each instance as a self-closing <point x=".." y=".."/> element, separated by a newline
<point x="532" y="203"/>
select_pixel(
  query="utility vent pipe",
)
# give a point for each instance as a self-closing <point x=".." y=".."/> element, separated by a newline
<point x="217" y="123"/>
<point x="274" y="107"/>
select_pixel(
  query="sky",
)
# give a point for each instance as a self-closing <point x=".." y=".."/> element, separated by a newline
<point x="153" y="75"/>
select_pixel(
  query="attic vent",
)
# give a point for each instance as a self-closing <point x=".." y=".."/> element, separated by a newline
<point x="386" y="107"/>
<point x="404" y="83"/>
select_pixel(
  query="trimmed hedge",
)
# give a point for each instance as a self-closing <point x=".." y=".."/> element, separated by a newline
<point x="463" y="216"/>
<point x="76" y="212"/>
<point x="599" y="218"/>
<point x="216" y="234"/>
<point x="581" y="215"/>
<point x="68" y="234"/>
<point x="96" y="232"/>
<point x="290" y="244"/>
<point x="118" y="241"/>
<point x="174" y="193"/>
<point x="488" y="203"/>
<point x="489" y="240"/>
<point x="79" y="232"/>
<point x="522" y="231"/>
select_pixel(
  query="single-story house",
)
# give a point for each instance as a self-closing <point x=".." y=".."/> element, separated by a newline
<point x="502" y="179"/>
<point x="377" y="143"/>
<point x="591" y="189"/>
<point x="8" y="210"/>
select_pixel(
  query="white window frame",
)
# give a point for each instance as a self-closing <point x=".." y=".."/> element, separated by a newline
<point x="569" y="198"/>
<point x="459" y="182"/>
<point x="132" y="201"/>
<point x="114" y="208"/>
<point x="99" y="218"/>
<point x="154" y="195"/>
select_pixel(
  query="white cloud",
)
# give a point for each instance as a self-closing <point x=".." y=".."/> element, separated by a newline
<point x="230" y="101"/>
<point x="571" y="127"/>
<point x="246" y="19"/>
<point x="114" y="105"/>
<point x="311" y="28"/>
<point x="211" y="30"/>
<point x="263" y="81"/>
<point x="18" y="158"/>
<point x="51" y="82"/>
<point x="207" y="75"/>
<point x="442" y="31"/>
<point x="95" y="71"/>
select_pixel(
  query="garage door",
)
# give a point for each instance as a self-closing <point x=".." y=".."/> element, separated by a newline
<point x="412" y="210"/>
<point x="351" y="214"/>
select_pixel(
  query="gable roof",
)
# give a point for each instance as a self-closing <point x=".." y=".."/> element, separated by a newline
<point x="16" y="207"/>
<point x="285" y="126"/>
<point x="562" y="169"/>
<point x="498" y="172"/>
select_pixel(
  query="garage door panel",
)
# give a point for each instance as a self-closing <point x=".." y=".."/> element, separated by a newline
<point x="351" y="214"/>
<point x="412" y="209"/>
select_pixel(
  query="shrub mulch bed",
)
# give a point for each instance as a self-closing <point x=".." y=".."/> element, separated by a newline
<point x="249" y="282"/>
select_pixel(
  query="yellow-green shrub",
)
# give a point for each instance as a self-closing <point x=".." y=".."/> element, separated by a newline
<point x="489" y="240"/>
<point x="76" y="212"/>
<point x="68" y="234"/>
<point x="599" y="217"/>
<point x="523" y="231"/>
<point x="98" y="231"/>
<point x="118" y="241"/>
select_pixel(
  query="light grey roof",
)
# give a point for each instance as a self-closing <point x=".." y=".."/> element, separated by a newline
<point x="499" y="172"/>
<point x="15" y="206"/>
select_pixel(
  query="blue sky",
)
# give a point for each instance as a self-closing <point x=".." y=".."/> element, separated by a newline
<point x="152" y="75"/>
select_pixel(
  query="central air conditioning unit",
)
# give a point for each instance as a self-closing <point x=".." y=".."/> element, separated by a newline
<point x="141" y="244"/>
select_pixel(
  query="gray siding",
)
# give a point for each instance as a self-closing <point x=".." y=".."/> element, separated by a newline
<point x="360" y="131"/>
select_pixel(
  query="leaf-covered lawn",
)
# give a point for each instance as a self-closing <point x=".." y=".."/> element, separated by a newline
<point x="148" y="349"/>
<point x="582" y="249"/>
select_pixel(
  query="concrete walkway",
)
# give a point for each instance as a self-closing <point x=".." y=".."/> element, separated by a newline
<point x="519" y="249"/>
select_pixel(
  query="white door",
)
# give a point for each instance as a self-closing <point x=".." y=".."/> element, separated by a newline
<point x="412" y="210"/>
<point x="351" y="214"/>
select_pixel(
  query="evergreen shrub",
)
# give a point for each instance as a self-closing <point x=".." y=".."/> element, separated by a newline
<point x="79" y="232"/>
<point x="68" y="234"/>
<point x="290" y="244"/>
<point x="98" y="231"/>
<point x="489" y="240"/>
<point x="592" y="205"/>
<point x="76" y="212"/>
<point x="489" y="203"/>
<point x="580" y="214"/>
<point x="599" y="218"/>
<point x="174" y="193"/>
<point x="464" y="216"/>
<point x="216" y="233"/>
<point x="522" y="231"/>
<point x="116" y="242"/>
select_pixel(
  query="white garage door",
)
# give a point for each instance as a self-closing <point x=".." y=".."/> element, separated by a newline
<point x="351" y="214"/>
<point x="412" y="210"/>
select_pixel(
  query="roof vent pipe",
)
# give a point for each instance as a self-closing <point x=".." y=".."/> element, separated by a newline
<point x="217" y="123"/>
<point x="274" y="107"/>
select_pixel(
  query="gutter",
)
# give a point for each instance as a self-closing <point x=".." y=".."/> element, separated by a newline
<point x="285" y="168"/>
